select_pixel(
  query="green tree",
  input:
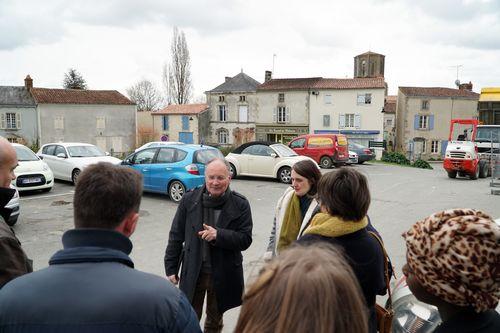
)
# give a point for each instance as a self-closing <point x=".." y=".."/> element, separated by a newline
<point x="74" y="80"/>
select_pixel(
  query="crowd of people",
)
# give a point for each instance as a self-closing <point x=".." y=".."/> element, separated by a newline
<point x="325" y="263"/>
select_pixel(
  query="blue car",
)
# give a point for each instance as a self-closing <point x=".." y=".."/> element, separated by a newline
<point x="172" y="169"/>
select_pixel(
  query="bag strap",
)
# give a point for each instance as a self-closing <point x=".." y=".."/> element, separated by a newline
<point x="386" y="268"/>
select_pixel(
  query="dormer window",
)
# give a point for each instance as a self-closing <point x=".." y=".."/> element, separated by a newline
<point x="221" y="99"/>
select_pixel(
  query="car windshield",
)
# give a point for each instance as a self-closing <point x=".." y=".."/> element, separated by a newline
<point x="205" y="155"/>
<point x="487" y="133"/>
<point x="84" y="151"/>
<point x="355" y="145"/>
<point x="25" y="154"/>
<point x="283" y="150"/>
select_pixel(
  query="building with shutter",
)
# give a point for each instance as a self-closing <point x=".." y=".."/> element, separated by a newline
<point x="423" y="118"/>
<point x="390" y="121"/>
<point x="489" y="106"/>
<point x="188" y="123"/>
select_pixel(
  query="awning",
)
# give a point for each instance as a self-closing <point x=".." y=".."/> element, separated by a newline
<point x="490" y="95"/>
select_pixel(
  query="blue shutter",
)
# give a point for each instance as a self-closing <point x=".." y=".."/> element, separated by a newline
<point x="165" y="123"/>
<point x="444" y="144"/>
<point x="431" y="123"/>
<point x="415" y="122"/>
<point x="185" y="123"/>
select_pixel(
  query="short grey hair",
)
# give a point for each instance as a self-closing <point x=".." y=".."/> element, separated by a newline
<point x="223" y="160"/>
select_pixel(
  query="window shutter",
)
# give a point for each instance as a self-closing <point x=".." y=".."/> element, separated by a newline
<point x="275" y="115"/>
<point x="415" y="122"/>
<point x="18" y="120"/>
<point x="3" y="122"/>
<point x="444" y="144"/>
<point x="342" y="120"/>
<point x="357" y="120"/>
<point x="431" y="122"/>
<point x="287" y="115"/>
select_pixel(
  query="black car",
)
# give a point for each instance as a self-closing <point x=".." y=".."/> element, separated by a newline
<point x="364" y="153"/>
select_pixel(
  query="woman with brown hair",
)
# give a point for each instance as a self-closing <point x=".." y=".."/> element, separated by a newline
<point x="295" y="207"/>
<point x="344" y="199"/>
<point x="304" y="289"/>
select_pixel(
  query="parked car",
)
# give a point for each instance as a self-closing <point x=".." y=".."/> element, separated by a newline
<point x="31" y="173"/>
<point x="364" y="153"/>
<point x="13" y="205"/>
<point x="263" y="159"/>
<point x="172" y="169"/>
<point x="353" y="158"/>
<point x="158" y="144"/>
<point x="326" y="149"/>
<point x="68" y="159"/>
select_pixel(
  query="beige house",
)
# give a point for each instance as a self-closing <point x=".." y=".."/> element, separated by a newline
<point x="423" y="118"/>
<point x="188" y="123"/>
<point x="390" y="121"/>
<point x="233" y="111"/>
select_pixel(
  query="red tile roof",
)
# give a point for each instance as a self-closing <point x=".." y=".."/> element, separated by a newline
<point x="390" y="104"/>
<point x="438" y="92"/>
<point x="321" y="83"/>
<point x="77" y="96"/>
<point x="182" y="109"/>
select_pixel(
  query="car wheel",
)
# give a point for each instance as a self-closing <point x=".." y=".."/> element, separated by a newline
<point x="232" y="171"/>
<point x="452" y="174"/>
<point x="285" y="175"/>
<point x="325" y="162"/>
<point x="483" y="170"/>
<point x="475" y="175"/>
<point x="75" y="175"/>
<point x="361" y="162"/>
<point x="176" y="190"/>
<point x="12" y="221"/>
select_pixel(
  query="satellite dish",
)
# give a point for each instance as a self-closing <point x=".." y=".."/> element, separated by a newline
<point x="457" y="82"/>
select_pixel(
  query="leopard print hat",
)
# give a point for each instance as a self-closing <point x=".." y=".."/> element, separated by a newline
<point x="455" y="255"/>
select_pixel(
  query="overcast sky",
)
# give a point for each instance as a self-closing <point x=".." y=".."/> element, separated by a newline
<point x="115" y="43"/>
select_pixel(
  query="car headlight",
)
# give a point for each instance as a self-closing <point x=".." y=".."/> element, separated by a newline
<point x="467" y="155"/>
<point x="448" y="155"/>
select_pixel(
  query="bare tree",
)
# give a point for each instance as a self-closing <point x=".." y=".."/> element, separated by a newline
<point x="145" y="95"/>
<point x="74" y="80"/>
<point x="177" y="74"/>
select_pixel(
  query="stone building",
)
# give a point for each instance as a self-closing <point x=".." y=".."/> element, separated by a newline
<point x="369" y="64"/>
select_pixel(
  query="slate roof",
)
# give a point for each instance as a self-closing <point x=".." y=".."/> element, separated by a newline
<point x="77" y="96"/>
<point x="182" y="109"/>
<point x="390" y="104"/>
<point x="322" y="83"/>
<point x="238" y="83"/>
<point x="15" y="96"/>
<point x="438" y="92"/>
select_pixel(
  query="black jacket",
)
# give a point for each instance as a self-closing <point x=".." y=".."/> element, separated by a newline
<point x="91" y="286"/>
<point x="234" y="234"/>
<point x="469" y="322"/>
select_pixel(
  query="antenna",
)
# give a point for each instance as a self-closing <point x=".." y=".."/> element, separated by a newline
<point x="457" y="81"/>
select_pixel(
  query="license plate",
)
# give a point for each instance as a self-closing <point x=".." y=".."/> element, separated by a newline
<point x="31" y="180"/>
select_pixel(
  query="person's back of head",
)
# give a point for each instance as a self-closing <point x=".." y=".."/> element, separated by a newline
<point x="106" y="195"/>
<point x="305" y="289"/>
<point x="345" y="194"/>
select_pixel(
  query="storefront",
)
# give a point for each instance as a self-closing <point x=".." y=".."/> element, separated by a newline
<point x="276" y="133"/>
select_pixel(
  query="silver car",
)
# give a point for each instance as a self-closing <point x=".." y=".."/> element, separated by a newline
<point x="13" y="204"/>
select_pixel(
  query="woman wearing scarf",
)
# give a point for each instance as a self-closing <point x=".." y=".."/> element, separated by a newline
<point x="295" y="207"/>
<point x="344" y="198"/>
<point x="453" y="262"/>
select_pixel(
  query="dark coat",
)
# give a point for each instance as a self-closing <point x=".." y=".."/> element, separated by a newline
<point x="234" y="234"/>
<point x="366" y="258"/>
<point x="91" y="286"/>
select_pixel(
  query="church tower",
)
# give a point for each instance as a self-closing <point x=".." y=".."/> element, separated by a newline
<point x="369" y="64"/>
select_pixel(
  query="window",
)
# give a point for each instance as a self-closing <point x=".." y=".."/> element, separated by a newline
<point x="328" y="99"/>
<point x="243" y="98"/>
<point x="59" y="122"/>
<point x="423" y="122"/>
<point x="223" y="136"/>
<point x="299" y="143"/>
<point x="164" y="121"/>
<point x="425" y="105"/>
<point x="282" y="114"/>
<point x="185" y="123"/>
<point x="363" y="68"/>
<point x="60" y="150"/>
<point x="11" y="121"/>
<point x="101" y="122"/>
<point x="424" y="146"/>
<point x="221" y="98"/>
<point x="326" y="120"/>
<point x="434" y="146"/>
<point x="243" y="113"/>
<point x="222" y="113"/>
<point x="258" y="150"/>
<point x="281" y="98"/>
<point x="364" y="99"/>
<point x="145" y="156"/>
<point x="166" y="155"/>
<point x="349" y="120"/>
<point x="12" y="140"/>
<point x="48" y="150"/>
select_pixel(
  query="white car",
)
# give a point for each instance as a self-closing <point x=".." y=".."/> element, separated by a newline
<point x="353" y="158"/>
<point x="264" y="159"/>
<point x="31" y="173"/>
<point x="68" y="159"/>
<point x="13" y="205"/>
<point x="153" y="144"/>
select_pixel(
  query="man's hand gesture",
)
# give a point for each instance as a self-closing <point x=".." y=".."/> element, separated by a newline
<point x="209" y="233"/>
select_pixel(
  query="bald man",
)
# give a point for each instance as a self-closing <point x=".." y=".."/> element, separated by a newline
<point x="13" y="260"/>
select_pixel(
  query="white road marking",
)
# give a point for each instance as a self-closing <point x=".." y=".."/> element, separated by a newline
<point x="47" y="196"/>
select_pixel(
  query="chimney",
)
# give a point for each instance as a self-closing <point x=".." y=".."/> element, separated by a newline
<point x="28" y="82"/>
<point x="465" y="86"/>
<point x="268" y="76"/>
<point x="228" y="78"/>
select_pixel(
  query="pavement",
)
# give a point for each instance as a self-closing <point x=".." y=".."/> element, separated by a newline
<point x="400" y="197"/>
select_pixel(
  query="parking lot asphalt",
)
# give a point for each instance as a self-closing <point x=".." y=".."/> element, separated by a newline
<point x="400" y="197"/>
